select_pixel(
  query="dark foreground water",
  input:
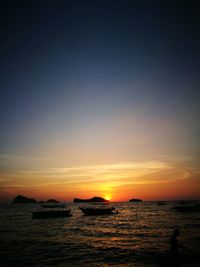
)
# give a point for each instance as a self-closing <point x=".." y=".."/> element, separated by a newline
<point x="138" y="236"/>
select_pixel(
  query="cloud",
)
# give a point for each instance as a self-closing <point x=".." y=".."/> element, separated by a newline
<point x="20" y="175"/>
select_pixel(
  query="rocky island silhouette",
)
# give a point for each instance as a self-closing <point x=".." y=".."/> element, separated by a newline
<point x="94" y="199"/>
<point x="135" y="200"/>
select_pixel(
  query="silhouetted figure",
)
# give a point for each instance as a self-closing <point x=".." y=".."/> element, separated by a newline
<point x="174" y="243"/>
<point x="174" y="249"/>
<point x="174" y="257"/>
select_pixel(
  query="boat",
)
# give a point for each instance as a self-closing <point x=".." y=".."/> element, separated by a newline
<point x="51" y="212"/>
<point x="94" y="211"/>
<point x="188" y="208"/>
<point x="160" y="203"/>
<point x="184" y="202"/>
<point x="52" y="205"/>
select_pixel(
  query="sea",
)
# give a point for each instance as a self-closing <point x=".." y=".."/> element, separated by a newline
<point x="139" y="236"/>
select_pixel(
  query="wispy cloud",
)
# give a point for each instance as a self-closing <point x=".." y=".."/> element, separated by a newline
<point x="111" y="174"/>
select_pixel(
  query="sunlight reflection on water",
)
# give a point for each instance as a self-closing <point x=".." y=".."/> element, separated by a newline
<point x="138" y="235"/>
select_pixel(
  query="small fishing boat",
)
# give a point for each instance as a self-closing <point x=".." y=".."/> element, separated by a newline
<point x="185" y="202"/>
<point x="188" y="208"/>
<point x="94" y="211"/>
<point x="53" y="205"/>
<point x="51" y="212"/>
<point x="160" y="203"/>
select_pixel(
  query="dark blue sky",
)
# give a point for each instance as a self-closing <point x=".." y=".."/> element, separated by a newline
<point x="67" y="63"/>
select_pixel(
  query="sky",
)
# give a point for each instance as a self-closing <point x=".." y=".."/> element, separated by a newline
<point x="100" y="98"/>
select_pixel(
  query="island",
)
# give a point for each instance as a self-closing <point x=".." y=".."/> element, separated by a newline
<point x="135" y="200"/>
<point x="23" y="200"/>
<point x="94" y="199"/>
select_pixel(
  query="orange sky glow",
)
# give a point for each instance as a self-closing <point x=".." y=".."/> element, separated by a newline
<point x="150" y="180"/>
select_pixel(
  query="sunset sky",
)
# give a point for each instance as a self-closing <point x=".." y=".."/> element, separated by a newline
<point x="100" y="98"/>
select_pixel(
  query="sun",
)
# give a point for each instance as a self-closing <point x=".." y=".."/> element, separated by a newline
<point x="108" y="197"/>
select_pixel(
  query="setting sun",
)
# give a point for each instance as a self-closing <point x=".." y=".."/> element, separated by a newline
<point x="108" y="197"/>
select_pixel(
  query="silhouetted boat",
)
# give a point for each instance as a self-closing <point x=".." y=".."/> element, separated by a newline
<point x="188" y="208"/>
<point x="54" y="205"/>
<point x="186" y="202"/>
<point x="51" y="213"/>
<point x="160" y="203"/>
<point x="98" y="211"/>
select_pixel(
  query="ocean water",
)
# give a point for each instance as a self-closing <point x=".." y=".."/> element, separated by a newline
<point x="139" y="235"/>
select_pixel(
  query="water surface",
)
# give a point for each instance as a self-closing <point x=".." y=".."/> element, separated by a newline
<point x="138" y="236"/>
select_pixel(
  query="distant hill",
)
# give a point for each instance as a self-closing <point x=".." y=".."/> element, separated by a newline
<point x="22" y="199"/>
<point x="135" y="200"/>
<point x="94" y="199"/>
